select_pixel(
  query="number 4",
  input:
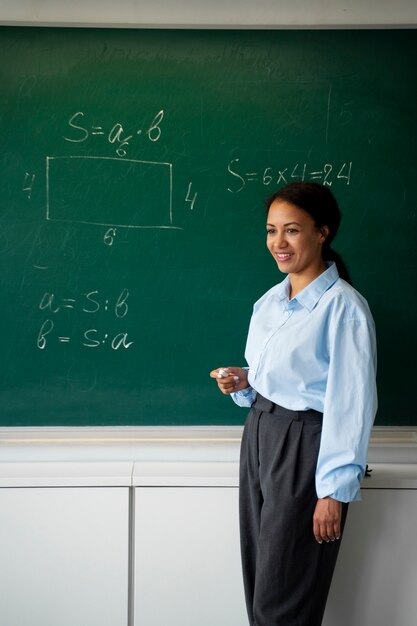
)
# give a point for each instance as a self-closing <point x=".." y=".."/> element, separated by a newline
<point x="345" y="172"/>
<point x="190" y="199"/>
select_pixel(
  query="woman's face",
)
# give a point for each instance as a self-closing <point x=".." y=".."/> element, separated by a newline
<point x="294" y="240"/>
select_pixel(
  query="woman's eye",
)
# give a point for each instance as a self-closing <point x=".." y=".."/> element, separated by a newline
<point x="270" y="231"/>
<point x="291" y="231"/>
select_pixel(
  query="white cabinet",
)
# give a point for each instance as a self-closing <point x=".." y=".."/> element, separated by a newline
<point x="140" y="528"/>
<point x="187" y="559"/>
<point x="375" y="581"/>
<point x="64" y="556"/>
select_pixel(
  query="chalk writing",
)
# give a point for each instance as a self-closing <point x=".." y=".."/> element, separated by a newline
<point x="46" y="328"/>
<point x="91" y="338"/>
<point x="109" y="236"/>
<point x="81" y="130"/>
<point x="151" y="181"/>
<point x="89" y="303"/>
<point x="327" y="174"/>
<point x="191" y="198"/>
<point x="94" y="339"/>
<point x="346" y="115"/>
<point x="28" y="184"/>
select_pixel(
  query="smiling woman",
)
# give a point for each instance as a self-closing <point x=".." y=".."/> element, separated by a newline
<point x="319" y="207"/>
<point x="311" y="388"/>
<point x="295" y="242"/>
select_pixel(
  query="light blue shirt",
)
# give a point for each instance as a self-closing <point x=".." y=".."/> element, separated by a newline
<point x="318" y="351"/>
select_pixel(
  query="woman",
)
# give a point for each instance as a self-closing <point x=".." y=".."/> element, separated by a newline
<point x="311" y="388"/>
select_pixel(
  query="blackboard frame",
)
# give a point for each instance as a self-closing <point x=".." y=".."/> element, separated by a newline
<point x="344" y="101"/>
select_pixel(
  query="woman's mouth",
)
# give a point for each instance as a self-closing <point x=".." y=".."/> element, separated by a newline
<point x="283" y="256"/>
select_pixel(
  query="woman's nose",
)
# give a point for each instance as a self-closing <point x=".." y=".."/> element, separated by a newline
<point x="280" y="241"/>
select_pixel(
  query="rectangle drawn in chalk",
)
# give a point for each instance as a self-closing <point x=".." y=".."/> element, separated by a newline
<point x="109" y="192"/>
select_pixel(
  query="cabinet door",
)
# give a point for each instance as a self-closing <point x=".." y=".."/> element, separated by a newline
<point x="187" y="558"/>
<point x="64" y="556"/>
<point x="375" y="581"/>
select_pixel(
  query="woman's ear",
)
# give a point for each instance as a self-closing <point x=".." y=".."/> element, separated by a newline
<point x="324" y="232"/>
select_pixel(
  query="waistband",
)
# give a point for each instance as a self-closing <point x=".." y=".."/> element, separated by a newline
<point x="267" y="406"/>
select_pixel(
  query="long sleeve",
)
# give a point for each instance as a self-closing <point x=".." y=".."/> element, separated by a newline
<point x="244" y="398"/>
<point x="349" y="407"/>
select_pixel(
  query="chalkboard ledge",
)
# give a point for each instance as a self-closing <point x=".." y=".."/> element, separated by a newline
<point x="165" y="456"/>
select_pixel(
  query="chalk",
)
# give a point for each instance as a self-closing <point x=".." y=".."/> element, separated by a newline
<point x="222" y="373"/>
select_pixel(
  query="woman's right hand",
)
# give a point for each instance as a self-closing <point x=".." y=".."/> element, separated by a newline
<point x="236" y="381"/>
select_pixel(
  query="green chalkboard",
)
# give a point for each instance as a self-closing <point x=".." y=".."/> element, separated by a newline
<point x="134" y="169"/>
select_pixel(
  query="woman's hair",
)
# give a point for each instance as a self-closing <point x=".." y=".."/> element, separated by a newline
<point x="319" y="202"/>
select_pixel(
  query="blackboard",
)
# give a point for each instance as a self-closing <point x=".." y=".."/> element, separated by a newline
<point x="134" y="169"/>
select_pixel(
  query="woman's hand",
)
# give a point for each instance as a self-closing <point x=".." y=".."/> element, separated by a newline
<point x="326" y="520"/>
<point x="236" y="381"/>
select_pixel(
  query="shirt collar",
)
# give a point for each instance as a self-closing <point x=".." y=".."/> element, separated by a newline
<point x="283" y="291"/>
<point x="311" y="294"/>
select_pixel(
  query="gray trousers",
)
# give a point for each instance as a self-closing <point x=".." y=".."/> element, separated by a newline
<point x="286" y="573"/>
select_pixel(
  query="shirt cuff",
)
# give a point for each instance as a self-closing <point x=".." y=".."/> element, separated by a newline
<point x="343" y="485"/>
<point x="245" y="397"/>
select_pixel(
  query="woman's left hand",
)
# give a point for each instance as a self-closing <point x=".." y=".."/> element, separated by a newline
<point x="326" y="520"/>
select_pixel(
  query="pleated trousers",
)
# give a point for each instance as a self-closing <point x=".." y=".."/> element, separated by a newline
<point x="286" y="573"/>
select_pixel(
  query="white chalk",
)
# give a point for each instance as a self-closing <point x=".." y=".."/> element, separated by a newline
<point x="223" y="373"/>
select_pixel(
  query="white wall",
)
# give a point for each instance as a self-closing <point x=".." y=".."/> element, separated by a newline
<point x="217" y="13"/>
